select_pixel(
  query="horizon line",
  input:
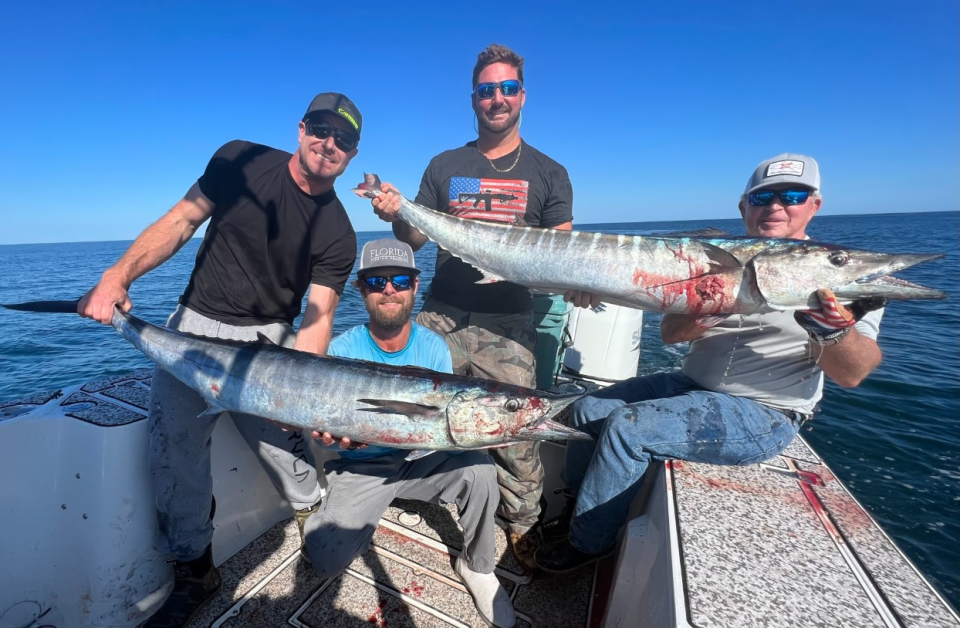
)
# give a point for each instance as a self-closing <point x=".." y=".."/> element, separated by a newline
<point x="641" y="222"/>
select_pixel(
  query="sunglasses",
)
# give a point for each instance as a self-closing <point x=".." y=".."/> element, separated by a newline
<point x="787" y="197"/>
<point x="345" y="140"/>
<point x="509" y="88"/>
<point x="379" y="284"/>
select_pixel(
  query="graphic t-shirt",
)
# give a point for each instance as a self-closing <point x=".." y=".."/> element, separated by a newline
<point x="425" y="348"/>
<point x="462" y="182"/>
<point x="267" y="240"/>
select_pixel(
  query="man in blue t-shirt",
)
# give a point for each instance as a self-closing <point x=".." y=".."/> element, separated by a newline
<point x="366" y="478"/>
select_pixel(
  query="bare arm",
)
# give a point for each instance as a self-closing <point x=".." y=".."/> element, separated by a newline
<point x="676" y="328"/>
<point x="850" y="361"/>
<point x="406" y="233"/>
<point x="316" y="330"/>
<point x="847" y="356"/>
<point x="158" y="243"/>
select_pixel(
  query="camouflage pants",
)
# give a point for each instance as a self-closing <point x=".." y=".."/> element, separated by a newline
<point x="499" y="347"/>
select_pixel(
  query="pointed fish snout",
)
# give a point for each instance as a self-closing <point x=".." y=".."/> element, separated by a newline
<point x="899" y="262"/>
<point x="548" y="429"/>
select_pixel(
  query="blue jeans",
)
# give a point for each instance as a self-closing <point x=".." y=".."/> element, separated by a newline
<point x="661" y="416"/>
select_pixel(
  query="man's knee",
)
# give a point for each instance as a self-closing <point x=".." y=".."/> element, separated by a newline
<point x="330" y="554"/>
<point x="478" y="472"/>
<point x="590" y="409"/>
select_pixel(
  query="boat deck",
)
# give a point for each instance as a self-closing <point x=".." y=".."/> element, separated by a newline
<point x="405" y="580"/>
<point x="782" y="543"/>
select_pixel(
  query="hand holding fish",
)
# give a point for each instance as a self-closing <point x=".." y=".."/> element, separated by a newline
<point x="581" y="298"/>
<point x="99" y="302"/>
<point x="329" y="439"/>
<point x="385" y="205"/>
<point x="833" y="320"/>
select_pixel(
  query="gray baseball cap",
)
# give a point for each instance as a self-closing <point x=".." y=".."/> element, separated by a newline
<point x="790" y="168"/>
<point x="387" y="252"/>
<point x="338" y="104"/>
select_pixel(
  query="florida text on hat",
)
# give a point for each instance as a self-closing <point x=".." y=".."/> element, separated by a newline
<point x="387" y="252"/>
<point x="338" y="104"/>
<point x="789" y="168"/>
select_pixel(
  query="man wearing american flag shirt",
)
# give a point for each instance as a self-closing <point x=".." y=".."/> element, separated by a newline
<point x="489" y="328"/>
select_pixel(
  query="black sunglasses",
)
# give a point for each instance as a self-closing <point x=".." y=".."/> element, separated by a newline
<point x="345" y="140"/>
<point x="376" y="283"/>
<point x="509" y="88"/>
<point x="787" y="197"/>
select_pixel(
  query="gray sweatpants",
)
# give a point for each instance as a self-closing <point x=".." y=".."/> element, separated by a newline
<point x="179" y="456"/>
<point x="359" y="491"/>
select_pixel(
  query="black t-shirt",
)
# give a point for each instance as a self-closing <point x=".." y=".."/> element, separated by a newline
<point x="463" y="183"/>
<point x="267" y="240"/>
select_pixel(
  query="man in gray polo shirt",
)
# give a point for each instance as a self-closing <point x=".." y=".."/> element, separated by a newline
<point x="746" y="385"/>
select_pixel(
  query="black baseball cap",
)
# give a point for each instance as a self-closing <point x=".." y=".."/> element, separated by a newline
<point x="338" y="104"/>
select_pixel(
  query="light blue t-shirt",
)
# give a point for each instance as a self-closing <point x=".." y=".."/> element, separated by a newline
<point x="425" y="348"/>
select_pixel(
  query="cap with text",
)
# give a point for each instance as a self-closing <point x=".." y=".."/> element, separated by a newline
<point x="789" y="169"/>
<point x="338" y="104"/>
<point x="387" y="253"/>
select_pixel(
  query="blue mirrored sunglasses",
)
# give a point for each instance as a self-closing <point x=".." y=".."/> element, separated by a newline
<point x="787" y="197"/>
<point x="345" y="140"/>
<point x="507" y="88"/>
<point x="376" y="283"/>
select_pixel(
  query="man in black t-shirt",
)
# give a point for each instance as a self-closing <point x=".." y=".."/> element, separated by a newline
<point x="489" y="328"/>
<point x="277" y="232"/>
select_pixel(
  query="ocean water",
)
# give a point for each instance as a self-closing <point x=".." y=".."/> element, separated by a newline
<point x="894" y="440"/>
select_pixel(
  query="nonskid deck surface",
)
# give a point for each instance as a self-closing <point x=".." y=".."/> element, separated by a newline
<point x="406" y="580"/>
<point x="784" y="543"/>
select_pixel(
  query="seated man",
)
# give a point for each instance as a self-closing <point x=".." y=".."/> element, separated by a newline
<point x="746" y="385"/>
<point x="365" y="479"/>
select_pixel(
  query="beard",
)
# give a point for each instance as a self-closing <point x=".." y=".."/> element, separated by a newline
<point x="390" y="321"/>
<point x="500" y="126"/>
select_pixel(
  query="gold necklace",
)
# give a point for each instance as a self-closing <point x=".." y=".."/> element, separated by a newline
<point x="512" y="166"/>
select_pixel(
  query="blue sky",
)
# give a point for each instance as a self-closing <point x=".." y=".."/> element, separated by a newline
<point x="658" y="110"/>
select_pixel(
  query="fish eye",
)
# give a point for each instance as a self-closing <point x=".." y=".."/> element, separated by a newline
<point x="511" y="405"/>
<point x="839" y="258"/>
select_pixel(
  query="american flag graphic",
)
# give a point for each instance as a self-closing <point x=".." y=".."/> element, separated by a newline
<point x="500" y="200"/>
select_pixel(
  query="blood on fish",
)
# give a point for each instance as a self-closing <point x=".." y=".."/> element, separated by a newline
<point x="215" y="389"/>
<point x="710" y="288"/>
<point x="391" y="437"/>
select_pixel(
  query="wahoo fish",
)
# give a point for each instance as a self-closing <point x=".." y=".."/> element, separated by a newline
<point x="685" y="275"/>
<point x="378" y="404"/>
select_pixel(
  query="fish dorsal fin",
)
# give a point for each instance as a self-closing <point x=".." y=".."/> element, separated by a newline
<point x="720" y="261"/>
<point x="406" y="408"/>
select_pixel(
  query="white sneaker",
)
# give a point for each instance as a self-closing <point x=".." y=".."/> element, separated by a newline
<point x="488" y="594"/>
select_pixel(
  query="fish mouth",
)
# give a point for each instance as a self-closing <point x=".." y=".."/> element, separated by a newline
<point x="883" y="283"/>
<point x="893" y="288"/>
<point x="547" y="428"/>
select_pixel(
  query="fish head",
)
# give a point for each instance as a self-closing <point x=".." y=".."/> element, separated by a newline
<point x="789" y="273"/>
<point x="481" y="418"/>
<point x="369" y="188"/>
